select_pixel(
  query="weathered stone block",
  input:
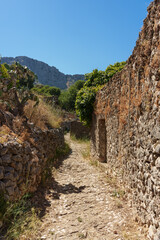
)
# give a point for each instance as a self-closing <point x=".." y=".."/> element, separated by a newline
<point x="17" y="158"/>
<point x="6" y="158"/>
<point x="1" y="172"/>
<point x="157" y="163"/>
<point x="10" y="190"/>
<point x="9" y="176"/>
<point x="9" y="169"/>
<point x="2" y="186"/>
<point x="156" y="133"/>
<point x="9" y="183"/>
<point x="3" y="151"/>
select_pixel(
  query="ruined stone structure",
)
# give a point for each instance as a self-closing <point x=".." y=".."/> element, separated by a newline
<point x="79" y="130"/>
<point x="126" y="122"/>
<point x="22" y="163"/>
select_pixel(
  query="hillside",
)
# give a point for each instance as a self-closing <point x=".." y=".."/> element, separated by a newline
<point x="46" y="74"/>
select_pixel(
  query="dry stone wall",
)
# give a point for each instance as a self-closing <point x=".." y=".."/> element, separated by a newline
<point x="22" y="163"/>
<point x="127" y="109"/>
<point x="79" y="130"/>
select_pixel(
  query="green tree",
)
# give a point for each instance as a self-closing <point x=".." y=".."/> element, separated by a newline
<point x="46" y="90"/>
<point x="68" y="97"/>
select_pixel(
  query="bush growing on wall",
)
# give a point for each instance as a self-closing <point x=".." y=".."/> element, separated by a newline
<point x="86" y="96"/>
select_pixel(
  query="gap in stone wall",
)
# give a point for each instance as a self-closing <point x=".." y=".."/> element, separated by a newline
<point x="102" y="140"/>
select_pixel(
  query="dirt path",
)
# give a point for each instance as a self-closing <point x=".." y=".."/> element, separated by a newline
<point x="82" y="205"/>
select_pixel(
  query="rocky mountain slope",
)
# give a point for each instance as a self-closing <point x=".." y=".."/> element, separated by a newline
<point x="46" y="74"/>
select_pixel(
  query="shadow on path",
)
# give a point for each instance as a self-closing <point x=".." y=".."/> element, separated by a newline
<point x="52" y="190"/>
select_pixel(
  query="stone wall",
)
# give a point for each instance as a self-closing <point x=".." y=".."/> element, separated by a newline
<point x="79" y="130"/>
<point x="22" y="162"/>
<point x="128" y="108"/>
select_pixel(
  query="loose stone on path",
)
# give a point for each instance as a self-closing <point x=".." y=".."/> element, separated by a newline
<point x="84" y="208"/>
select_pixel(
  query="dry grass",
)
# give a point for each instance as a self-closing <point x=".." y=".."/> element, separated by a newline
<point x="85" y="142"/>
<point x="4" y="133"/>
<point x="87" y="151"/>
<point x="82" y="140"/>
<point x="43" y="115"/>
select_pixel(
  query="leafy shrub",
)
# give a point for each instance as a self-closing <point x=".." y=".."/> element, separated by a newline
<point x="86" y="96"/>
<point x="95" y="78"/>
<point x="113" y="69"/>
<point x="84" y="104"/>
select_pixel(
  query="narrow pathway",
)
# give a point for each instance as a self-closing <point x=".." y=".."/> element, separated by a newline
<point x="83" y="205"/>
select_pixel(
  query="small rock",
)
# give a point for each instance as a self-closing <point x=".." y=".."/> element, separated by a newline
<point x="6" y="158"/>
<point x="1" y="172"/>
<point x="9" y="169"/>
<point x="9" y="183"/>
<point x="157" y="149"/>
<point x="2" y="186"/>
<point x="3" y="151"/>
<point x="9" y="176"/>
<point x="156" y="133"/>
<point x="44" y="237"/>
<point x="10" y="190"/>
<point x="158" y="162"/>
<point x="17" y="158"/>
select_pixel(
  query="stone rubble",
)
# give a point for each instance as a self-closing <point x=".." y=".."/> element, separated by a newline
<point x="22" y="163"/>
<point x="81" y="206"/>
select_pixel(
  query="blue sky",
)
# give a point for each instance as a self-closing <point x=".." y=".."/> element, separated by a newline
<point x="75" y="36"/>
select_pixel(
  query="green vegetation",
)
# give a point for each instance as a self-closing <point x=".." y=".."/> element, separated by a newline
<point x="16" y="82"/>
<point x="85" y="103"/>
<point x="67" y="98"/>
<point x="81" y="236"/>
<point x="79" y="219"/>
<point x="25" y="78"/>
<point x="19" y="217"/>
<point x="86" y="96"/>
<point x="61" y="152"/>
<point x="46" y="90"/>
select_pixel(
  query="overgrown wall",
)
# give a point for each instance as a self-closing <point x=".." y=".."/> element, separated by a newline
<point x="23" y="162"/>
<point x="128" y="108"/>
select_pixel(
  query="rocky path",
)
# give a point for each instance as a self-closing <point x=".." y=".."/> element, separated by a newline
<point x="82" y="204"/>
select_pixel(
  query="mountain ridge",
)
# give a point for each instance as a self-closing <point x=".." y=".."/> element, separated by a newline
<point x="47" y="75"/>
